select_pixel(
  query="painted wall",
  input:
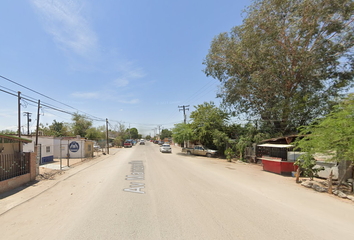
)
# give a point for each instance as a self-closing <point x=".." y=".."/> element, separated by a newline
<point x="46" y="147"/>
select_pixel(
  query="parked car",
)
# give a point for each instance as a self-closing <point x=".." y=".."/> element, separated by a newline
<point x="160" y="142"/>
<point x="156" y="141"/>
<point x="128" y="144"/>
<point x="201" y="151"/>
<point x="165" y="148"/>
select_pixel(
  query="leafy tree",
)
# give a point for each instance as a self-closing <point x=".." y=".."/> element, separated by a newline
<point x="96" y="133"/>
<point x="45" y="129"/>
<point x="133" y="133"/>
<point x="120" y="133"/>
<point x="8" y="132"/>
<point x="220" y="140"/>
<point x="205" y="120"/>
<point x="286" y="62"/>
<point x="59" y="129"/>
<point x="81" y="124"/>
<point x="332" y="135"/>
<point x="229" y="153"/>
<point x="148" y="137"/>
<point x="165" y="133"/>
<point x="182" y="132"/>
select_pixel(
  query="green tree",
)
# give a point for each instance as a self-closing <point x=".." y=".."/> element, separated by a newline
<point x="81" y="124"/>
<point x="59" y="129"/>
<point x="165" y="133"/>
<point x="96" y="134"/>
<point x="286" y="62"/>
<point x="220" y="140"/>
<point x="8" y="132"/>
<point x="205" y="120"/>
<point x="182" y="132"/>
<point x="133" y="133"/>
<point x="332" y="135"/>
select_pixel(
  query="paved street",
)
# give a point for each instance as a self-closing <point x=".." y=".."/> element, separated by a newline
<point x="140" y="193"/>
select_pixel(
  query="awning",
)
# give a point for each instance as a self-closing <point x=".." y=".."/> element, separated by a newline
<point x="275" y="145"/>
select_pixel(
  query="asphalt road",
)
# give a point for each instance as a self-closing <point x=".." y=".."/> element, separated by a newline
<point x="140" y="193"/>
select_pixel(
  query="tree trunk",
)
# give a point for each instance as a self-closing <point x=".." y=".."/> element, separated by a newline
<point x="330" y="182"/>
<point x="298" y="175"/>
<point x="346" y="172"/>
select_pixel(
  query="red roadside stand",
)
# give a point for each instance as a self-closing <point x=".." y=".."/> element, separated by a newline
<point x="277" y="158"/>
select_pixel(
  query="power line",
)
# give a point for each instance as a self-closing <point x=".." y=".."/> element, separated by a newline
<point x="96" y="118"/>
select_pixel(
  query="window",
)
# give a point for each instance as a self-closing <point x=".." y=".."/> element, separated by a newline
<point x="47" y="149"/>
<point x="89" y="147"/>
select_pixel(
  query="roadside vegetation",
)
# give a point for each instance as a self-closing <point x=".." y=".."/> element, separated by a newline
<point x="285" y="70"/>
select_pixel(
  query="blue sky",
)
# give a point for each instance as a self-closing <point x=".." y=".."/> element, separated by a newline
<point x="132" y="62"/>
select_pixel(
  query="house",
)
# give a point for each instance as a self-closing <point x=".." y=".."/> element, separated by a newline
<point x="16" y="166"/>
<point x="50" y="148"/>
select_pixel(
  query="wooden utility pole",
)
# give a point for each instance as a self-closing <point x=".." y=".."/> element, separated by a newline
<point x="184" y="108"/>
<point x="37" y="129"/>
<point x="107" y="135"/>
<point x="28" y="114"/>
<point x="19" y="114"/>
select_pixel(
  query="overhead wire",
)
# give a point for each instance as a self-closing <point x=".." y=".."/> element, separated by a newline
<point x="93" y="117"/>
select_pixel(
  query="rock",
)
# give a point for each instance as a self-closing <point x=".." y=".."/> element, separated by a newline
<point x="340" y="194"/>
<point x="350" y="180"/>
<point x="351" y="198"/>
<point x="307" y="184"/>
<point x="318" y="188"/>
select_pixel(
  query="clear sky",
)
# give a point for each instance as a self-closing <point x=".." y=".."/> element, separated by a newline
<point x="131" y="61"/>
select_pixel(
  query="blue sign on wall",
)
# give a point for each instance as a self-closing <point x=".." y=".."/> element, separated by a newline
<point x="74" y="146"/>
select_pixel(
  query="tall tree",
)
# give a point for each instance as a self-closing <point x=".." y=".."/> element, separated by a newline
<point x="182" y="132"/>
<point x="165" y="133"/>
<point x="286" y="62"/>
<point x="81" y="124"/>
<point x="59" y="129"/>
<point x="205" y="120"/>
<point x="133" y="133"/>
<point x="96" y="134"/>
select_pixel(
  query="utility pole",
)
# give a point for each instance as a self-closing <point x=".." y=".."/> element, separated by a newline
<point x="28" y="121"/>
<point x="130" y="136"/>
<point x="184" y="108"/>
<point x="159" y="129"/>
<point x="19" y="114"/>
<point x="107" y="135"/>
<point x="39" y="105"/>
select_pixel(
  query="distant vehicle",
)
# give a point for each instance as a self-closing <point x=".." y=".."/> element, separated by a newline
<point x="96" y="147"/>
<point x="160" y="142"/>
<point x="201" y="151"/>
<point x="156" y="141"/>
<point x="128" y="144"/>
<point x="142" y="142"/>
<point x="166" y="148"/>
